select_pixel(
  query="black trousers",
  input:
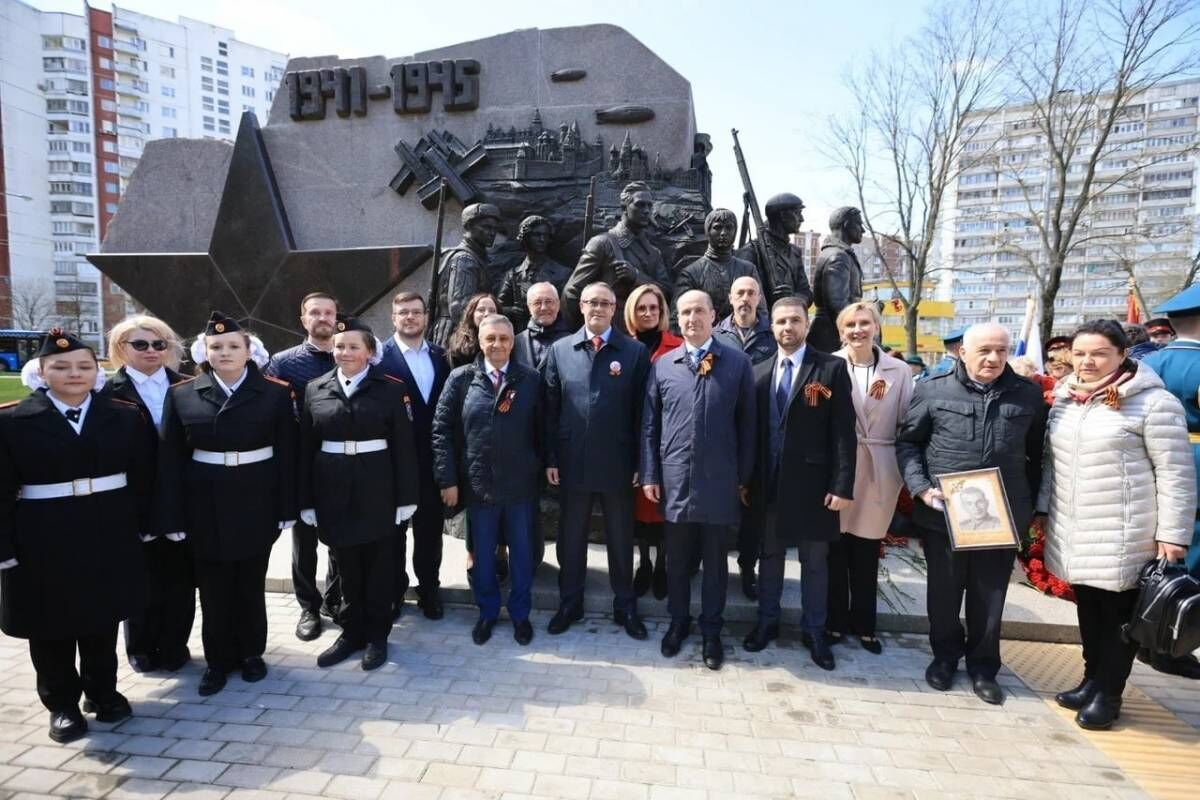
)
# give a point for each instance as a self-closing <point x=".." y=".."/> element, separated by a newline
<point x="161" y="632"/>
<point x="59" y="684"/>
<point x="368" y="585"/>
<point x="233" y="600"/>
<point x="1107" y="657"/>
<point x="426" y="526"/>
<point x="853" y="583"/>
<point x="304" y="571"/>
<point x="982" y="576"/>
<point x="749" y="540"/>
<point x="573" y="543"/>
<point x="682" y="539"/>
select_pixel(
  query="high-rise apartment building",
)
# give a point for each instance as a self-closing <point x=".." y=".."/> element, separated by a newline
<point x="80" y="95"/>
<point x="1143" y="223"/>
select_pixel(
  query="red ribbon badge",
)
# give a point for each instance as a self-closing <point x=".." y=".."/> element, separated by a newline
<point x="814" y="391"/>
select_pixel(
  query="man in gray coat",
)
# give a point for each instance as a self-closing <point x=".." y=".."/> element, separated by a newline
<point x="697" y="458"/>
<point x="595" y="380"/>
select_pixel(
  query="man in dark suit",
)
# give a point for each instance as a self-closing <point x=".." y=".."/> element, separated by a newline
<point x="545" y="327"/>
<point x="423" y="368"/>
<point x="594" y="384"/>
<point x="697" y="460"/>
<point x="804" y="474"/>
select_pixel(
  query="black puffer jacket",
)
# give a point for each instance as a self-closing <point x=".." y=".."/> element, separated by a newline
<point x="487" y="443"/>
<point x="952" y="426"/>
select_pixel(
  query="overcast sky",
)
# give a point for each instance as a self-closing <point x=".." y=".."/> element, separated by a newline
<point x="771" y="69"/>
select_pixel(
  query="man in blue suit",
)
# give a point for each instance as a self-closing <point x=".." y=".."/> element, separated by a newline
<point x="423" y="368"/>
<point x="594" y="384"/>
<point x="1178" y="364"/>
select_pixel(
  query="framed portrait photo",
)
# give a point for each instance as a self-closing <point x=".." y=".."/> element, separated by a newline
<point x="976" y="509"/>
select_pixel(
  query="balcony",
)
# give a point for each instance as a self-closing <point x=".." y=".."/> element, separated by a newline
<point x="126" y="110"/>
<point x="126" y="46"/>
<point x="125" y="68"/>
<point x="141" y="88"/>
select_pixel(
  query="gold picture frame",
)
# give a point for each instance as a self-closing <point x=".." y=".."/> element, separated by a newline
<point x="978" y="516"/>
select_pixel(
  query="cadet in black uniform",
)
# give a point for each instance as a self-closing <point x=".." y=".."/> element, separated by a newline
<point x="145" y="350"/>
<point x="227" y="478"/>
<point x="358" y="481"/>
<point x="76" y="475"/>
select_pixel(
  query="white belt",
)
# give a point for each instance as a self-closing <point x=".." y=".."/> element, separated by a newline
<point x="233" y="458"/>
<point x="353" y="448"/>
<point x="80" y="487"/>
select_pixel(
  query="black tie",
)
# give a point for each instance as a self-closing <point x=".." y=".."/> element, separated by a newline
<point x="73" y="414"/>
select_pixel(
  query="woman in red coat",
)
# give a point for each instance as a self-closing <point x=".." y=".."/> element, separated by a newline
<point x="647" y="315"/>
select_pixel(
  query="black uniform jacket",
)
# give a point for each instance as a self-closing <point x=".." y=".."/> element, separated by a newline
<point x="229" y="513"/>
<point x="807" y="454"/>
<point x="79" y="559"/>
<point x="356" y="496"/>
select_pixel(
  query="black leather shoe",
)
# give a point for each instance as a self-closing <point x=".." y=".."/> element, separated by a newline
<point x="113" y="710"/>
<point x="141" y="663"/>
<point x="212" y="681"/>
<point x="1078" y="697"/>
<point x="871" y="645"/>
<point x="674" y="638"/>
<point x="987" y="690"/>
<point x="660" y="580"/>
<point x="714" y="652"/>
<point x="254" y="669"/>
<point x="523" y="632"/>
<point x="759" y="637"/>
<point x="642" y="579"/>
<point x="430" y="604"/>
<point x="331" y="610"/>
<point x="820" y="651"/>
<point x="634" y="627"/>
<point x="562" y="620"/>
<point x="309" y="626"/>
<point x="338" y="652"/>
<point x="1185" y="666"/>
<point x="67" y="726"/>
<point x="376" y="655"/>
<point x="749" y="583"/>
<point x="940" y="675"/>
<point x="1100" y="712"/>
<point x="482" y="631"/>
<point x="177" y="661"/>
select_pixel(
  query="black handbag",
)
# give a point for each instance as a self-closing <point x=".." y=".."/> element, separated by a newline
<point x="1166" y="617"/>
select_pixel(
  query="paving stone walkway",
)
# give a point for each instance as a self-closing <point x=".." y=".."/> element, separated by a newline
<point x="591" y="715"/>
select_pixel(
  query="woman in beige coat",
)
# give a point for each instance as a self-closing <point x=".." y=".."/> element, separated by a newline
<point x="882" y="388"/>
<point x="1119" y="485"/>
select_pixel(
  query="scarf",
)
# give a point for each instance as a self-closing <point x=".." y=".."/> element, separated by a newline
<point x="1108" y="386"/>
<point x="652" y="339"/>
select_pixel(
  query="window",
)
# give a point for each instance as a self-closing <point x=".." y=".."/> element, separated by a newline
<point x="247" y="91"/>
<point x="209" y="124"/>
<point x="223" y="68"/>
<point x="66" y="268"/>
<point x="1168" y="194"/>
<point x="247" y="72"/>
<point x="207" y="103"/>
<point x="168" y="91"/>
<point x="108" y="105"/>
<point x="223" y="48"/>
<point x="223" y="126"/>
<point x="166" y="72"/>
<point x="270" y="95"/>
<point x="58" y="146"/>
<point x="104" y="41"/>
<point x="110" y="147"/>
<point x="168" y="112"/>
<point x="170" y="133"/>
<point x="222" y="106"/>
<point x="205" y="64"/>
<point x="222" y="87"/>
<point x="107" y="85"/>
<point x="111" y="188"/>
<point x="166" y="51"/>
<point x="81" y="147"/>
<point x="206" y="84"/>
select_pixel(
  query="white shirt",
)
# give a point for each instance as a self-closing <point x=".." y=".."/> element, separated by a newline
<point x="590" y="336"/>
<point x="420" y="364"/>
<point x="350" y="385"/>
<point x="229" y="390"/>
<point x="707" y="346"/>
<point x="63" y="408"/>
<point x="795" y="358"/>
<point x="152" y="389"/>
<point x="491" y="368"/>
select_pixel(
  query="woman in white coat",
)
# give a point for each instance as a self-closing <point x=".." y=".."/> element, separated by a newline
<point x="882" y="387"/>
<point x="1119" y="486"/>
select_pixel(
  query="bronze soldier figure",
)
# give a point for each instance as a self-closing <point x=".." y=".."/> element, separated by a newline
<point x="716" y="270"/>
<point x="623" y="257"/>
<point x="534" y="237"/>
<point x="463" y="271"/>
<point x="837" y="280"/>
<point x="785" y="215"/>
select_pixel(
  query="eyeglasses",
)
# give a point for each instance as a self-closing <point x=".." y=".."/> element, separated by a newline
<point x="141" y="345"/>
<point x="598" y="303"/>
<point x="409" y="312"/>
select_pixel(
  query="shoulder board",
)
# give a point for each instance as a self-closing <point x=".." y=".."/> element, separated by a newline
<point x="182" y="381"/>
<point x="280" y="381"/>
<point x="393" y="378"/>
<point x="10" y="404"/>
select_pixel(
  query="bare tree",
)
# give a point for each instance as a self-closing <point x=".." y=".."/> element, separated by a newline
<point x="903" y="142"/>
<point x="1082" y="74"/>
<point x="32" y="304"/>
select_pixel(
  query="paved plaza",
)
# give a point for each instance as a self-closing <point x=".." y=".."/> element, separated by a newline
<point x="591" y="715"/>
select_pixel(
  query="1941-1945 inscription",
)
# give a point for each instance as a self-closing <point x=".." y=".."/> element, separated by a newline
<point x="411" y="89"/>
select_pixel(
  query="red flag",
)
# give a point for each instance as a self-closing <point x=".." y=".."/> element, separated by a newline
<point x="1133" y="312"/>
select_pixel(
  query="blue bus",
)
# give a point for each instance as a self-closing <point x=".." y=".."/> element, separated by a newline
<point x="17" y="347"/>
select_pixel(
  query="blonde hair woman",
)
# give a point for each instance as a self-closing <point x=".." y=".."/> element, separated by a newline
<point x="146" y="352"/>
<point x="882" y="387"/>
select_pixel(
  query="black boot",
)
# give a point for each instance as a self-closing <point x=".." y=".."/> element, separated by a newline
<point x="1078" y="697"/>
<point x="1100" y="712"/>
<point x="643" y="577"/>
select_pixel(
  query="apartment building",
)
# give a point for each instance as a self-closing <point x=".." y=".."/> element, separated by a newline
<point x="80" y="95"/>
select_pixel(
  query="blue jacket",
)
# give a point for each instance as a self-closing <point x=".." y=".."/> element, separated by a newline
<point x="593" y="410"/>
<point x="761" y="345"/>
<point x="488" y="443"/>
<point x="421" y="412"/>
<point x="698" y="434"/>
<point x="300" y="364"/>
<point x="943" y="367"/>
<point x="1178" y="364"/>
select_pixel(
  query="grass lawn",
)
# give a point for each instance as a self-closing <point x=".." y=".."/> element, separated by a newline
<point x="11" y="388"/>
